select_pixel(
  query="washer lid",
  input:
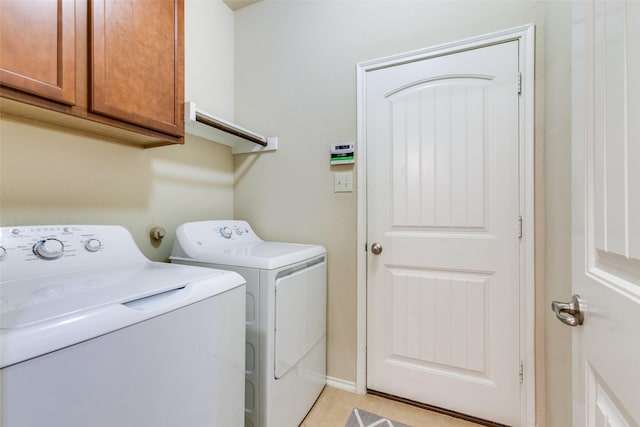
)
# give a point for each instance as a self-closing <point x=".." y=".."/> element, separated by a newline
<point x="263" y="255"/>
<point x="38" y="316"/>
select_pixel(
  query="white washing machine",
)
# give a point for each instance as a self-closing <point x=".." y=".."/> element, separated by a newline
<point x="92" y="333"/>
<point x="285" y="314"/>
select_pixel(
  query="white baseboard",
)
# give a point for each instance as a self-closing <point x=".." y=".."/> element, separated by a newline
<point x="341" y="384"/>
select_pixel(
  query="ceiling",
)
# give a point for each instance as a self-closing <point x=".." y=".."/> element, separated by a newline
<point x="239" y="4"/>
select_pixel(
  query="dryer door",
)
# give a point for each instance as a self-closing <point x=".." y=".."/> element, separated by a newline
<point x="300" y="312"/>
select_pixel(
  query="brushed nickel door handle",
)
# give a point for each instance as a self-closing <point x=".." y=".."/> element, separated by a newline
<point x="570" y="313"/>
<point x="376" y="248"/>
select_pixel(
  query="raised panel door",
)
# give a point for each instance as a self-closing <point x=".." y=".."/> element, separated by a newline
<point x="606" y="212"/>
<point x="443" y="202"/>
<point x="37" y="48"/>
<point x="137" y="62"/>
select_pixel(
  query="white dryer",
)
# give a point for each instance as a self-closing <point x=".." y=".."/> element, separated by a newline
<point x="285" y="314"/>
<point x="92" y="333"/>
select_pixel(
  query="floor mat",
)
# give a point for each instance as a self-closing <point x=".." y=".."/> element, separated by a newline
<point x="362" y="418"/>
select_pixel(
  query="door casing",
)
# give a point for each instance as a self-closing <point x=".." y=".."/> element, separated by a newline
<point x="525" y="35"/>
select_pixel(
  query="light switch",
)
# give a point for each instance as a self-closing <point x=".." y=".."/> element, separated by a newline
<point x="343" y="182"/>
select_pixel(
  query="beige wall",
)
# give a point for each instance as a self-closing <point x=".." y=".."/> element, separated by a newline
<point x="209" y="56"/>
<point x="57" y="176"/>
<point x="52" y="176"/>
<point x="295" y="78"/>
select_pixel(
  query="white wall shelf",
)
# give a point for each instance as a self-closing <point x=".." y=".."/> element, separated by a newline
<point x="212" y="128"/>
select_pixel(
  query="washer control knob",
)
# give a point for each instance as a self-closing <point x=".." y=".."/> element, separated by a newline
<point x="3" y="253"/>
<point x="92" y="245"/>
<point x="48" y="249"/>
<point x="226" y="232"/>
<point x="239" y="231"/>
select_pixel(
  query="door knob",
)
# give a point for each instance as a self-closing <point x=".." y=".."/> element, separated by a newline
<point x="376" y="248"/>
<point x="570" y="313"/>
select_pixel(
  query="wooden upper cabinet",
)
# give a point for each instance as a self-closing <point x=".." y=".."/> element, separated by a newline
<point x="37" y="48"/>
<point x="137" y="62"/>
<point x="113" y="67"/>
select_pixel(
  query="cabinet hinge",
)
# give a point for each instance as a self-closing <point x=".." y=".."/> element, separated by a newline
<point x="520" y="226"/>
<point x="521" y="372"/>
<point x="519" y="83"/>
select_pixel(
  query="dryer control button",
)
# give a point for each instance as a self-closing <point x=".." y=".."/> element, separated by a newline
<point x="226" y="232"/>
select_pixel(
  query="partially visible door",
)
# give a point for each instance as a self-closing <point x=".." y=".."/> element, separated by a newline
<point x="37" y="48"/>
<point x="443" y="304"/>
<point x="606" y="212"/>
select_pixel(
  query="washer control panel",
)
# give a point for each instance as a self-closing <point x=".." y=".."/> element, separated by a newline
<point x="33" y="251"/>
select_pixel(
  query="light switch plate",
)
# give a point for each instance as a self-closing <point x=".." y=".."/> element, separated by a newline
<point x="343" y="182"/>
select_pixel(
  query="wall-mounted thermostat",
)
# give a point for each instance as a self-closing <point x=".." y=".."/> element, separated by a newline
<point x="342" y="153"/>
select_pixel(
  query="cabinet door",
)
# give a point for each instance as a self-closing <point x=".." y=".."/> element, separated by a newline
<point x="137" y="57"/>
<point x="37" y="47"/>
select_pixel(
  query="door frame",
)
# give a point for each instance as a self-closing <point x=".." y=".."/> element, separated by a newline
<point x="525" y="35"/>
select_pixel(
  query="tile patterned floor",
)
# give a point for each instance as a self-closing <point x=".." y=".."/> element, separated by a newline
<point x="334" y="406"/>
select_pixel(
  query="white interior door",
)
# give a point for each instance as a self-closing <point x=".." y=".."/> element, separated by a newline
<point x="606" y="213"/>
<point x="443" y="298"/>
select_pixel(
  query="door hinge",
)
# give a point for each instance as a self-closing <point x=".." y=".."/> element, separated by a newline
<point x="521" y="372"/>
<point x="519" y="83"/>
<point x="520" y="226"/>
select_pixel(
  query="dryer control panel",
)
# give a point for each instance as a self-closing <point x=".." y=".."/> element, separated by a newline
<point x="238" y="230"/>
<point x="231" y="230"/>
<point x="215" y="234"/>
